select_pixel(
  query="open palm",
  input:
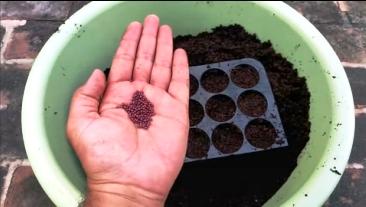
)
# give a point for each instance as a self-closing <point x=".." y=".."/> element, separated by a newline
<point x="115" y="154"/>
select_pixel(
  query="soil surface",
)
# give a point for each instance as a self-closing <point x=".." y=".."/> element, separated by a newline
<point x="198" y="143"/>
<point x="106" y="72"/>
<point x="220" y="107"/>
<point x="250" y="179"/>
<point x="252" y="103"/>
<point x="196" y="112"/>
<point x="214" y="80"/>
<point x="260" y="133"/>
<point x="193" y="85"/>
<point x="244" y="76"/>
<point x="227" y="138"/>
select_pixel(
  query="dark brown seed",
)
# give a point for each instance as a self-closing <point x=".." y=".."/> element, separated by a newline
<point x="140" y="110"/>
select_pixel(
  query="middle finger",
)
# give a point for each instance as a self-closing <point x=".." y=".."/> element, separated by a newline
<point x="146" y="49"/>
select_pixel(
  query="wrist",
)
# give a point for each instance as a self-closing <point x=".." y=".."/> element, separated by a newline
<point x="111" y="195"/>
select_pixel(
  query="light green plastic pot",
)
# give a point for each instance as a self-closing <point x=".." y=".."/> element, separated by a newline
<point x="88" y="40"/>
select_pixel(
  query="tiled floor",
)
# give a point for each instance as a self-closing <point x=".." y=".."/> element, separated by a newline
<point x="26" y="26"/>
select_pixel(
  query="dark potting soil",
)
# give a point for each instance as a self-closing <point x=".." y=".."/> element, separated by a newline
<point x="244" y="76"/>
<point x="252" y="103"/>
<point x="214" y="80"/>
<point x="227" y="138"/>
<point x="220" y="107"/>
<point x="196" y="112"/>
<point x="260" y="133"/>
<point x="198" y="143"/>
<point x="193" y="85"/>
<point x="250" y="179"/>
<point x="106" y="72"/>
<point x="140" y="110"/>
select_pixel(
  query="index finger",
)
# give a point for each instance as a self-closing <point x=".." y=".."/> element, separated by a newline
<point x="123" y="61"/>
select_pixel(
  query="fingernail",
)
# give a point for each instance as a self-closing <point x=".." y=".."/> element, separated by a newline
<point x="180" y="50"/>
<point x="152" y="16"/>
<point x="94" y="75"/>
<point x="134" y="23"/>
<point x="165" y="26"/>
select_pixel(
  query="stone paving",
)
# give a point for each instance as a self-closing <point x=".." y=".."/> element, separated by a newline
<point x="26" y="26"/>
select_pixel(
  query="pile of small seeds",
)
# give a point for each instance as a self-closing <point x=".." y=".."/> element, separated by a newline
<point x="140" y="110"/>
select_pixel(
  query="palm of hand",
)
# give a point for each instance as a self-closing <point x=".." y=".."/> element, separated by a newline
<point x="110" y="146"/>
<point x="135" y="159"/>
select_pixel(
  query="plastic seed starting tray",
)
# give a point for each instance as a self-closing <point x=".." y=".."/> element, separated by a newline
<point x="239" y="118"/>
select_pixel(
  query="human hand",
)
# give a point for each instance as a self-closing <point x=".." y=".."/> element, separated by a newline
<point x="126" y="165"/>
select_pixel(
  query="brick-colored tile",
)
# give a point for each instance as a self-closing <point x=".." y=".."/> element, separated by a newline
<point x="357" y="79"/>
<point x="348" y="42"/>
<point x="318" y="11"/>
<point x="28" y="40"/>
<point x="361" y="203"/>
<point x="12" y="82"/>
<point x="358" y="151"/>
<point x="42" y="10"/>
<point x="25" y="191"/>
<point x="2" y="33"/>
<point x="357" y="12"/>
<point x="76" y="5"/>
<point x="3" y="172"/>
<point x="350" y="191"/>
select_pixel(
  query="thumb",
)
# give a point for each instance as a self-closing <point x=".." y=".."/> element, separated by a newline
<point x="86" y="99"/>
<point x="95" y="85"/>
